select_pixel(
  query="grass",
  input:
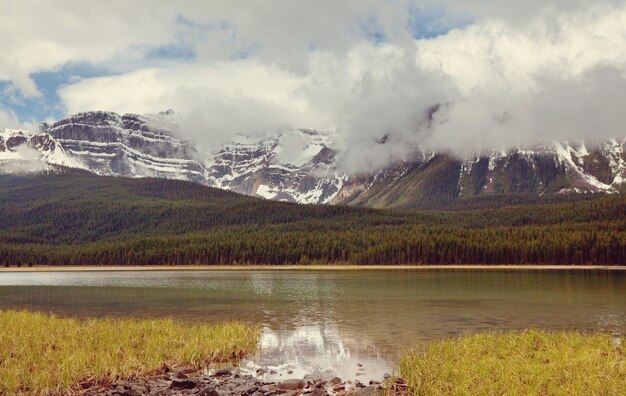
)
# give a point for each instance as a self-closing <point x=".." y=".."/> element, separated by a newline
<point x="45" y="354"/>
<point x="531" y="362"/>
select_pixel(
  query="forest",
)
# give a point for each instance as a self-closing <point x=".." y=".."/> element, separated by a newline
<point x="90" y="220"/>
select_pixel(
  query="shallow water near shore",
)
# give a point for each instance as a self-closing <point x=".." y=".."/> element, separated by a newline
<point x="354" y="324"/>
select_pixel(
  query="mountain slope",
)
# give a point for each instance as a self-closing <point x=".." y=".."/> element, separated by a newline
<point x="431" y="183"/>
<point x="301" y="165"/>
<point x="293" y="166"/>
<point x="86" y="219"/>
<point x="440" y="180"/>
<point x="130" y="145"/>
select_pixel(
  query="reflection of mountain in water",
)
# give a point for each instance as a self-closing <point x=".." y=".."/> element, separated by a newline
<point x="320" y="349"/>
<point x="319" y="320"/>
<point x="305" y="336"/>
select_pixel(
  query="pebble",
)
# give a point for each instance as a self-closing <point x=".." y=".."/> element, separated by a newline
<point x="368" y="391"/>
<point x="223" y="372"/>
<point x="319" y="392"/>
<point x="292" y="384"/>
<point x="183" y="384"/>
<point x="208" y="391"/>
<point x="241" y="389"/>
<point x="228" y="382"/>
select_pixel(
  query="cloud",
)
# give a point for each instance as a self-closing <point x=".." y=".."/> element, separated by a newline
<point x="374" y="93"/>
<point x="8" y="119"/>
<point x="512" y="73"/>
<point x="117" y="36"/>
<point x="30" y="161"/>
<point x="216" y="101"/>
<point x="556" y="77"/>
<point x="120" y="35"/>
<point x="587" y="107"/>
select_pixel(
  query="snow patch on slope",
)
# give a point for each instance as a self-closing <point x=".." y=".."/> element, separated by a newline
<point x="614" y="150"/>
<point x="297" y="148"/>
<point x="35" y="152"/>
<point x="566" y="155"/>
<point x="293" y="165"/>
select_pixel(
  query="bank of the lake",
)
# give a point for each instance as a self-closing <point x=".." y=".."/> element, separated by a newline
<point x="147" y="221"/>
<point x="329" y="267"/>
<point x="42" y="354"/>
<point x="531" y="362"/>
<point x="45" y="354"/>
<point x="318" y="321"/>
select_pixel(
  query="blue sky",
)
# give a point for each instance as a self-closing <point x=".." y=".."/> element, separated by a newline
<point x="359" y="69"/>
<point x="422" y="23"/>
<point x="49" y="106"/>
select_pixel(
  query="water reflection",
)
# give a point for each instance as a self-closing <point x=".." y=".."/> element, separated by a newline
<point x="333" y="321"/>
<point x="320" y="350"/>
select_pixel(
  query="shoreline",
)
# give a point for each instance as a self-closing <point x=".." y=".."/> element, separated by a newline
<point x="329" y="267"/>
<point x="233" y="381"/>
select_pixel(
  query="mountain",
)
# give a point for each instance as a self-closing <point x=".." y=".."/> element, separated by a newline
<point x="433" y="180"/>
<point x="301" y="165"/>
<point x="294" y="166"/>
<point x="130" y="145"/>
<point x="82" y="219"/>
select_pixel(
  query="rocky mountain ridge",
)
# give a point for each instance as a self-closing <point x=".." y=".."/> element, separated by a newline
<point x="294" y="165"/>
<point x="301" y="165"/>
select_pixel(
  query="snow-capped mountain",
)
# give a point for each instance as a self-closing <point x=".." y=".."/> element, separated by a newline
<point x="436" y="179"/>
<point x="295" y="166"/>
<point x="24" y="151"/>
<point x="129" y="145"/>
<point x="300" y="165"/>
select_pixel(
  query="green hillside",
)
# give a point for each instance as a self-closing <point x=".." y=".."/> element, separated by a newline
<point x="82" y="219"/>
<point x="433" y="184"/>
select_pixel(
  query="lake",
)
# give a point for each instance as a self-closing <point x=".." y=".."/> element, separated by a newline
<point x="331" y="322"/>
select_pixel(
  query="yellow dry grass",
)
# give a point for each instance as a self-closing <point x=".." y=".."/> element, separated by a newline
<point x="531" y="362"/>
<point x="46" y="354"/>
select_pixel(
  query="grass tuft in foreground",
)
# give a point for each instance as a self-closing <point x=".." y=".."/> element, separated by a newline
<point x="527" y="363"/>
<point x="45" y="354"/>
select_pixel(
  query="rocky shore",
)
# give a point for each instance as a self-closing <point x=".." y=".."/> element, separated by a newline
<point x="230" y="381"/>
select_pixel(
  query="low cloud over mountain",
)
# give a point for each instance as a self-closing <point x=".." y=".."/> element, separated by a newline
<point x="451" y="76"/>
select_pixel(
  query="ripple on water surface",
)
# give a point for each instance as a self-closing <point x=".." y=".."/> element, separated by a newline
<point x="336" y="321"/>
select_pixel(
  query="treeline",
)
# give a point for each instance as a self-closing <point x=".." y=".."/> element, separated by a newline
<point x="82" y="220"/>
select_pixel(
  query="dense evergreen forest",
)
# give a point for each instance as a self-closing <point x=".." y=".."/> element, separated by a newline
<point x="89" y="220"/>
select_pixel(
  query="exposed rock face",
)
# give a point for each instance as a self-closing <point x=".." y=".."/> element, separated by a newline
<point x="24" y="152"/>
<point x="435" y="179"/>
<point x="129" y="145"/>
<point x="300" y="165"/>
<point x="294" y="166"/>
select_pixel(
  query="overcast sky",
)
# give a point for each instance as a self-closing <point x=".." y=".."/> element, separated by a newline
<point x="505" y="72"/>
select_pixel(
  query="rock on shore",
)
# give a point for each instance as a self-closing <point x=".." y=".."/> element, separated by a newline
<point x="227" y="382"/>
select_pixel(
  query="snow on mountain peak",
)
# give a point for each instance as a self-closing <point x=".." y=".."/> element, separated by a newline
<point x="299" y="165"/>
<point x="297" y="148"/>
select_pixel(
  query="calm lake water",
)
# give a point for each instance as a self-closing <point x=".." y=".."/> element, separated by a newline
<point x="328" y="321"/>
